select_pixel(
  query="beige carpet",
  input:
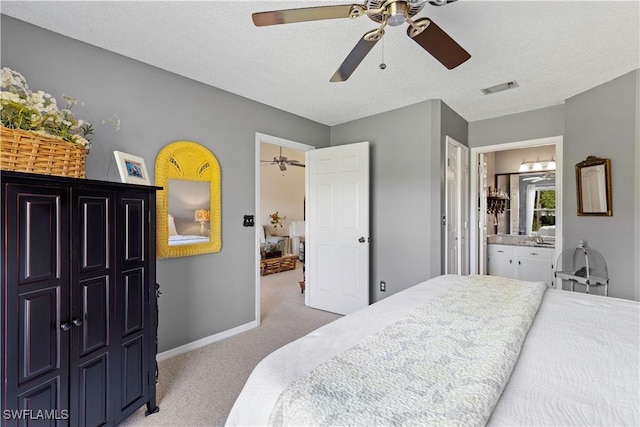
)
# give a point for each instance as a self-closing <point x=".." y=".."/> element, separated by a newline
<point x="198" y="388"/>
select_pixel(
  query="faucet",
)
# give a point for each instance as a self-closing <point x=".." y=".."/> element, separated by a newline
<point x="537" y="238"/>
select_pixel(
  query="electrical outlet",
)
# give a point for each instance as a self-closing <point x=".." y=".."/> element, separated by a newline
<point x="383" y="286"/>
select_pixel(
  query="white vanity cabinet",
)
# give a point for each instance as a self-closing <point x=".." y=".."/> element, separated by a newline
<point x="500" y="260"/>
<point x="530" y="263"/>
<point x="534" y="264"/>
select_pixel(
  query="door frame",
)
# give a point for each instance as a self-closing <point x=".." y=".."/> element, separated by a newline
<point x="269" y="139"/>
<point x="462" y="217"/>
<point x="475" y="191"/>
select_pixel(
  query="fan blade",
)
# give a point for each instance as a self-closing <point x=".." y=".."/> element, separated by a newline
<point x="441" y="2"/>
<point x="355" y="57"/>
<point x="288" y="16"/>
<point x="300" y="165"/>
<point x="438" y="43"/>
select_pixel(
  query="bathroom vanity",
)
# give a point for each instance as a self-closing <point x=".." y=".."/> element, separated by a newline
<point x="521" y="258"/>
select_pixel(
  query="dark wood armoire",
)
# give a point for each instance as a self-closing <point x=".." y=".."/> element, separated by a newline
<point x="78" y="300"/>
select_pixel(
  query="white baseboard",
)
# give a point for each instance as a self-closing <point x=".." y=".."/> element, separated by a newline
<point x="205" y="341"/>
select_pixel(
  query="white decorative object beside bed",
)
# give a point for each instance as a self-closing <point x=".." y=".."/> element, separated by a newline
<point x="578" y="365"/>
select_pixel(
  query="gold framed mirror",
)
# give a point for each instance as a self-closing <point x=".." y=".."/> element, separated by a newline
<point x="188" y="206"/>
<point x="593" y="183"/>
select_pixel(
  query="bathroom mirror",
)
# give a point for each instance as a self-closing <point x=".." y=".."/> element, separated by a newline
<point x="188" y="206"/>
<point x="532" y="204"/>
<point x="593" y="183"/>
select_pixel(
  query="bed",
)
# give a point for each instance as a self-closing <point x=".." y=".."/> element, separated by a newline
<point x="187" y="239"/>
<point x="566" y="359"/>
<point x="176" y="239"/>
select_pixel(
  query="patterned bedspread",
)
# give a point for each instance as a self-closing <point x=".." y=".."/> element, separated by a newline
<point x="445" y="363"/>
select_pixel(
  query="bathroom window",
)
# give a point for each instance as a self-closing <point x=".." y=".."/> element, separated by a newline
<point x="544" y="209"/>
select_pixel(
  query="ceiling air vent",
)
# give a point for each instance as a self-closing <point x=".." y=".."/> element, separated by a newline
<point x="499" y="88"/>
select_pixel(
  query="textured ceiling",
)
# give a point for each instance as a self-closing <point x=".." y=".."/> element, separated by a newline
<point x="554" y="50"/>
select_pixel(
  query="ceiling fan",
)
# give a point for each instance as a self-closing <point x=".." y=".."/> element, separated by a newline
<point x="282" y="162"/>
<point x="544" y="177"/>
<point x="385" y="12"/>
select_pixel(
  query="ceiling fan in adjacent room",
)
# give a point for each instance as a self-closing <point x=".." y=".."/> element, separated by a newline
<point x="282" y="162"/>
<point x="385" y="12"/>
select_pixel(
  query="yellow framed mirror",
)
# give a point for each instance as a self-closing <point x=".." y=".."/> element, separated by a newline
<point x="188" y="206"/>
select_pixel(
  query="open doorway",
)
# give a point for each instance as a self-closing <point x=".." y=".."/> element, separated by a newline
<point x="510" y="193"/>
<point x="280" y="187"/>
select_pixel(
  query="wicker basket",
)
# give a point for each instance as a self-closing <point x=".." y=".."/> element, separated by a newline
<point x="25" y="151"/>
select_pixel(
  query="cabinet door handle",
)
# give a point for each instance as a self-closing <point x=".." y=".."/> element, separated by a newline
<point x="519" y="263"/>
<point x="500" y="252"/>
<point x="77" y="322"/>
<point x="65" y="326"/>
<point x="533" y="253"/>
<point x="510" y="261"/>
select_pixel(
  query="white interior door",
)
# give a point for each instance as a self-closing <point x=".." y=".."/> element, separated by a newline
<point x="456" y="219"/>
<point x="482" y="214"/>
<point x="337" y="235"/>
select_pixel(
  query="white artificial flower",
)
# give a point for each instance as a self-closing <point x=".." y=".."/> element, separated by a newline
<point x="39" y="109"/>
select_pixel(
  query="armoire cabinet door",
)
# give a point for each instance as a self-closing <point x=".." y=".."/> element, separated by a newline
<point x="92" y="306"/>
<point x="132" y="298"/>
<point x="37" y="327"/>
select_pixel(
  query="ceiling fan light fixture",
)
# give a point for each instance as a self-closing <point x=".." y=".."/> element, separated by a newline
<point x="397" y="13"/>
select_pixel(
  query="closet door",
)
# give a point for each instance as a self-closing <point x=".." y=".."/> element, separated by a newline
<point x="92" y="316"/>
<point x="36" y="319"/>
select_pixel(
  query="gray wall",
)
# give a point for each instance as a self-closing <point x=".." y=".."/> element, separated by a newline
<point x="541" y="123"/>
<point x="407" y="151"/>
<point x="400" y="203"/>
<point x="602" y="121"/>
<point x="201" y="295"/>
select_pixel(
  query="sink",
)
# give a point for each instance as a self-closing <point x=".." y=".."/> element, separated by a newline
<point x="544" y="244"/>
<point x="537" y="244"/>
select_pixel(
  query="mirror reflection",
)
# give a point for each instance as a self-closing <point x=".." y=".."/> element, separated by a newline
<point x="532" y="204"/>
<point x="188" y="217"/>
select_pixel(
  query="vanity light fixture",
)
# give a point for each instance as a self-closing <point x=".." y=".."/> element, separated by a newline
<point x="551" y="166"/>
<point x="537" y="165"/>
<point x="524" y="167"/>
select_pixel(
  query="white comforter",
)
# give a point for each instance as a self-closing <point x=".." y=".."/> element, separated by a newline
<point x="579" y="364"/>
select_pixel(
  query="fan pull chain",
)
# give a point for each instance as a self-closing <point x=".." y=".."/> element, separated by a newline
<point x="382" y="64"/>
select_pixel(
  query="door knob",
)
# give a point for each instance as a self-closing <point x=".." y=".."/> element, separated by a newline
<point x="77" y="322"/>
<point x="65" y="326"/>
<point x="361" y="240"/>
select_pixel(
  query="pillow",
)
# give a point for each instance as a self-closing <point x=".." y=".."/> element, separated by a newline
<point x="172" y="226"/>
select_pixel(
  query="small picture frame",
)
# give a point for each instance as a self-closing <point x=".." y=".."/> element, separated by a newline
<point x="132" y="168"/>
